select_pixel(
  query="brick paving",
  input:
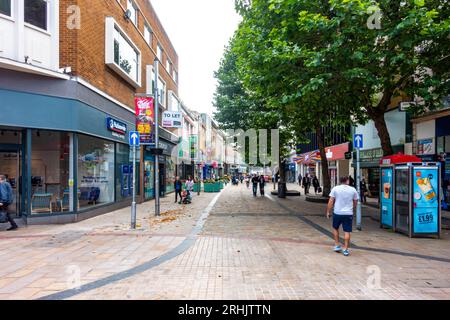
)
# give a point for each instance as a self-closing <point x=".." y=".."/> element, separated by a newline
<point x="248" y="248"/>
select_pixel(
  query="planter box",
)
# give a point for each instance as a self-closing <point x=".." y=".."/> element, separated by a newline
<point x="211" y="187"/>
<point x="196" y="187"/>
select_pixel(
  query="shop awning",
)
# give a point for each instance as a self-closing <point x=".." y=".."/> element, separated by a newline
<point x="399" y="158"/>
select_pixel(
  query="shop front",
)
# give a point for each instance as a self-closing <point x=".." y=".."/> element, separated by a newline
<point x="443" y="154"/>
<point x="370" y="168"/>
<point x="71" y="164"/>
<point x="167" y="170"/>
<point x="337" y="164"/>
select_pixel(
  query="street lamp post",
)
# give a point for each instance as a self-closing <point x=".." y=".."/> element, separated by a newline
<point x="156" y="94"/>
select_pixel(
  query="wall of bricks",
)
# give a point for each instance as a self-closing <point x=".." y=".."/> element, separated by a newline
<point x="84" y="49"/>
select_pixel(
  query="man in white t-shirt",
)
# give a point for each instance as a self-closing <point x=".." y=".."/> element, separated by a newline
<point x="344" y="199"/>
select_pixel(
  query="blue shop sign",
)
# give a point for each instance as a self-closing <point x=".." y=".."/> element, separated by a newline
<point x="116" y="126"/>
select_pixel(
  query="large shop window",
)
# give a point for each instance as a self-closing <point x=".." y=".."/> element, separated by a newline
<point x="95" y="171"/>
<point x="170" y="174"/>
<point x="124" y="177"/>
<point x="50" y="172"/>
<point x="149" y="177"/>
<point x="5" y="7"/>
<point x="36" y="13"/>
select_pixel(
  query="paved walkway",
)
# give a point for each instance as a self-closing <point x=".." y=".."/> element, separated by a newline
<point x="224" y="246"/>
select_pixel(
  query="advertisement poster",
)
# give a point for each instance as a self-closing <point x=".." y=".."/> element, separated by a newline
<point x="426" y="200"/>
<point x="145" y="119"/>
<point x="386" y="197"/>
<point x="172" y="119"/>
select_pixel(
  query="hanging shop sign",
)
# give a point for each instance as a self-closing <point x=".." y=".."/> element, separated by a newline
<point x="172" y="119"/>
<point x="145" y="119"/>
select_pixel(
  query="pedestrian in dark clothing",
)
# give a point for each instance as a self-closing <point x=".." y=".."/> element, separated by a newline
<point x="178" y="186"/>
<point x="363" y="190"/>
<point x="300" y="179"/>
<point x="6" y="199"/>
<point x="255" y="182"/>
<point x="351" y="182"/>
<point x="306" y="183"/>
<point x="262" y="183"/>
<point x="316" y="184"/>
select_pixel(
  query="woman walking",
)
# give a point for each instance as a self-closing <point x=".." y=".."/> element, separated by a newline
<point x="316" y="184"/>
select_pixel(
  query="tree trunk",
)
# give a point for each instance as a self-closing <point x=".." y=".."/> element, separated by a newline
<point x="323" y="156"/>
<point x="383" y="134"/>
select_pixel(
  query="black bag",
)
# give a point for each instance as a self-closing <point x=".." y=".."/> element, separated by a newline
<point x="319" y="190"/>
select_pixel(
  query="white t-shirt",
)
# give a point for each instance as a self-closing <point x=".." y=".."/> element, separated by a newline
<point x="344" y="196"/>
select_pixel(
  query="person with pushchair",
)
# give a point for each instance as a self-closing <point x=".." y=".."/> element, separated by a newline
<point x="6" y="199"/>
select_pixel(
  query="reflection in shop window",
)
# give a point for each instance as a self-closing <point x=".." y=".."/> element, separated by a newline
<point x="95" y="171"/>
<point x="170" y="174"/>
<point x="50" y="159"/>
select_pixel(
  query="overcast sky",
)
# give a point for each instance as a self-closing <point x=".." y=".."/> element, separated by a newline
<point x="199" y="31"/>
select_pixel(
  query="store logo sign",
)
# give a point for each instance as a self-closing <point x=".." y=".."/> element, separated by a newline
<point x="116" y="126"/>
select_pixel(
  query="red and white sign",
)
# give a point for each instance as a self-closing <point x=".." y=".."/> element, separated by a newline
<point x="337" y="152"/>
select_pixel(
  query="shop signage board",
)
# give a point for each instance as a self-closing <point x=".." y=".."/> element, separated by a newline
<point x="145" y="119"/>
<point x="172" y="119"/>
<point x="337" y="152"/>
<point x="116" y="126"/>
<point x="426" y="200"/>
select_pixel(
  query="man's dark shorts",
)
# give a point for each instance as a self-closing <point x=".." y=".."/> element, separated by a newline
<point x="345" y="220"/>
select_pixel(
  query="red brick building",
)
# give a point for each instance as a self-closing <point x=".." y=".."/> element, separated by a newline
<point x="69" y="71"/>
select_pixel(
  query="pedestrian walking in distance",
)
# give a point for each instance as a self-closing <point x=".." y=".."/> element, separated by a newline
<point x="363" y="189"/>
<point x="6" y="199"/>
<point x="178" y="186"/>
<point x="306" y="182"/>
<point x="255" y="182"/>
<point x="316" y="184"/>
<point x="300" y="179"/>
<point x="343" y="201"/>
<point x="262" y="183"/>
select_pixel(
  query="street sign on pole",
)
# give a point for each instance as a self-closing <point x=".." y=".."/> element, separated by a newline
<point x="358" y="141"/>
<point x="358" y="144"/>
<point x="134" y="140"/>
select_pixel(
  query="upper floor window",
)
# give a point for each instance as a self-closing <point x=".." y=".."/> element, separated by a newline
<point x="121" y="54"/>
<point x="175" y="76"/>
<point x="161" y="86"/>
<point x="5" y="7"/>
<point x="148" y="34"/>
<point x="36" y="13"/>
<point x="162" y="92"/>
<point x="125" y="55"/>
<point x="134" y="12"/>
<point x="168" y="64"/>
<point x="159" y="52"/>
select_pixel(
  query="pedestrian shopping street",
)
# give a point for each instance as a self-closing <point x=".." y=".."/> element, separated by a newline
<point x="226" y="245"/>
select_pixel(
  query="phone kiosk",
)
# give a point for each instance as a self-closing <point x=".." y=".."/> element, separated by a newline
<point x="410" y="196"/>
